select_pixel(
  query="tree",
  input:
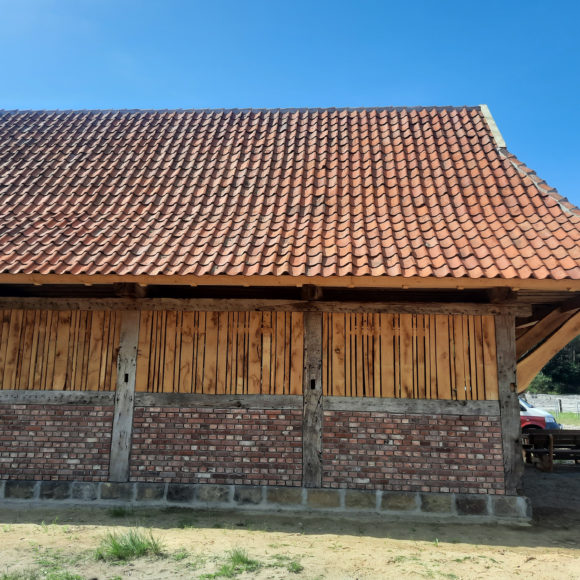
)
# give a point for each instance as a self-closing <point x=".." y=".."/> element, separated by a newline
<point x="562" y="374"/>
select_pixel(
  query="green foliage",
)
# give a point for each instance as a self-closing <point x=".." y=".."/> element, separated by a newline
<point x="130" y="545"/>
<point x="562" y="374"/>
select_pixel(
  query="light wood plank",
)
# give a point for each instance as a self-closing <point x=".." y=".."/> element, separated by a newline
<point x="406" y="321"/>
<point x="296" y="349"/>
<point x="490" y="357"/>
<point x="443" y="363"/>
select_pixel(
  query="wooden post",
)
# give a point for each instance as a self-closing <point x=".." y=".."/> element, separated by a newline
<point x="124" y="397"/>
<point x="312" y="419"/>
<point x="505" y="333"/>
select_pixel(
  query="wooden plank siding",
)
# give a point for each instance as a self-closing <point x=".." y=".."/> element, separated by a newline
<point x="220" y="353"/>
<point x="414" y="356"/>
<point x="58" y="350"/>
<point x="371" y="354"/>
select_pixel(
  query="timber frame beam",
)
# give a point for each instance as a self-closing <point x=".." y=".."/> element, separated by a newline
<point x="261" y="305"/>
<point x="550" y="340"/>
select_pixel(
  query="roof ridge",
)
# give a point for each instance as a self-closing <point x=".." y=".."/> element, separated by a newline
<point x="256" y="109"/>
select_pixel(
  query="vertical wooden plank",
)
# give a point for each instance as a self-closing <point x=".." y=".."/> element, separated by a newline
<point x="406" y="321"/>
<point x="459" y="358"/>
<point x="358" y="390"/>
<point x="33" y="350"/>
<point x="4" y="328"/>
<point x="472" y="356"/>
<point x="433" y="356"/>
<point x="280" y="375"/>
<point x="421" y="390"/>
<point x="95" y="350"/>
<point x="377" y="389"/>
<point x="12" y="348"/>
<point x="169" y="347"/>
<point x="266" y="331"/>
<point x="177" y="361"/>
<point x="326" y="353"/>
<point x="337" y="334"/>
<point x="255" y="354"/>
<point x="313" y="411"/>
<point x="296" y="347"/>
<point x="489" y="357"/>
<point x="466" y="355"/>
<point x="61" y="350"/>
<point x="443" y="363"/>
<point x="505" y="338"/>
<point x="241" y="353"/>
<point x="211" y="352"/>
<point x="144" y="353"/>
<point x="348" y="353"/>
<point x="222" y="353"/>
<point x="387" y="356"/>
<point x="25" y="353"/>
<point x="85" y="353"/>
<point x="124" y="397"/>
<point x="479" y="359"/>
<point x="186" y="366"/>
<point x="200" y="352"/>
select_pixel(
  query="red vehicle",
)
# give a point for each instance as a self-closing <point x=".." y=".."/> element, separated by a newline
<point x="532" y="418"/>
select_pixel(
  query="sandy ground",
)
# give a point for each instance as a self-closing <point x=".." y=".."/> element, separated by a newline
<point x="197" y="542"/>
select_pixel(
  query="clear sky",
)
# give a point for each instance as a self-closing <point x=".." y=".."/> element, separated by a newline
<point x="521" y="57"/>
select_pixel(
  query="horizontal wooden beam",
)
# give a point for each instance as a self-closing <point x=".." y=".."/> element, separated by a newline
<point x="12" y="397"/>
<point x="386" y="282"/>
<point x="259" y="305"/>
<point x="218" y="401"/>
<point x="417" y="406"/>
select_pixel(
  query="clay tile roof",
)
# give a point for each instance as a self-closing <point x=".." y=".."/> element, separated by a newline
<point x="428" y="192"/>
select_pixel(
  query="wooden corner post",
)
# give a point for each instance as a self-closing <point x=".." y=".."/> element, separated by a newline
<point x="124" y="397"/>
<point x="312" y="419"/>
<point x="505" y="333"/>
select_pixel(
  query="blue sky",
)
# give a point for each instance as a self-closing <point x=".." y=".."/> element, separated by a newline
<point x="520" y="57"/>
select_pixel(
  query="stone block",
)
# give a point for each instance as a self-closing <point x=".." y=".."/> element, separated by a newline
<point x="210" y="493"/>
<point x="471" y="505"/>
<point x="150" y="491"/>
<point x="436" y="503"/>
<point x="285" y="495"/>
<point x="323" y="498"/>
<point x="84" y="491"/>
<point x="248" y="494"/>
<point x="55" y="489"/>
<point x="117" y="491"/>
<point x="19" y="489"/>
<point x="180" y="492"/>
<point x="399" y="501"/>
<point x="511" y="506"/>
<point x="361" y="500"/>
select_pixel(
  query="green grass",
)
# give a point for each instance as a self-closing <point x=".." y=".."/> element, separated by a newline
<point x="136" y="543"/>
<point x="569" y="419"/>
<point x="237" y="562"/>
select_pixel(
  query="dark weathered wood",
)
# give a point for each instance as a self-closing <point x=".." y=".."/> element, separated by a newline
<point x="124" y="397"/>
<point x="313" y="413"/>
<point x="218" y="401"/>
<point x="508" y="403"/>
<point x="13" y="397"/>
<point x="416" y="406"/>
<point x="311" y="292"/>
<point x="235" y="304"/>
<point x="499" y="295"/>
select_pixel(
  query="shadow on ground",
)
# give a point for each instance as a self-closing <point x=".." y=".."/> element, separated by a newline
<point x="555" y="498"/>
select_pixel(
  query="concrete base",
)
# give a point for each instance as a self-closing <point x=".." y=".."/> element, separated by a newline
<point x="466" y="508"/>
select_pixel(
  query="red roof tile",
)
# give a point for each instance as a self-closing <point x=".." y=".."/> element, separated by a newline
<point x="398" y="192"/>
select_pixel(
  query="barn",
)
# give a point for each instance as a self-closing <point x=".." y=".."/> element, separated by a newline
<point x="310" y="309"/>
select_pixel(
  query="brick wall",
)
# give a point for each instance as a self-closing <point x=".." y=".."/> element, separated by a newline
<point x="55" y="442"/>
<point x="437" y="453"/>
<point x="231" y="446"/>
